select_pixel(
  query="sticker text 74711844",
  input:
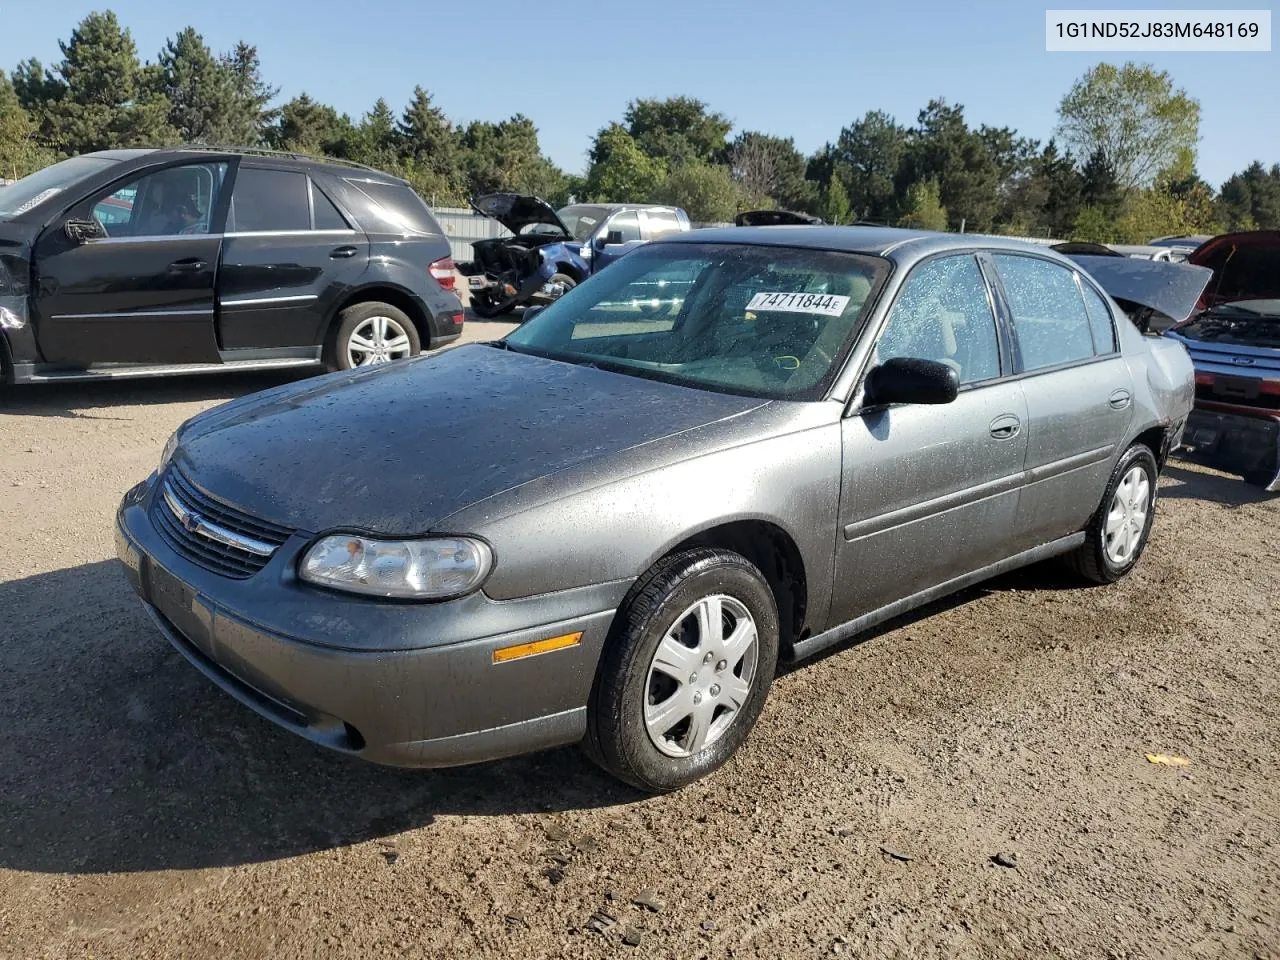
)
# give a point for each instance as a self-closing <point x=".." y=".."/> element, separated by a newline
<point x="827" y="304"/>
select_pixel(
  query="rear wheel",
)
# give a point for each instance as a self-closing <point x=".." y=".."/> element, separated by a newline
<point x="371" y="333"/>
<point x="1118" y="533"/>
<point x="562" y="283"/>
<point x="686" y="670"/>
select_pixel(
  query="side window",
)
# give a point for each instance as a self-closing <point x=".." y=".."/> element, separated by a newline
<point x="943" y="313"/>
<point x="266" y="200"/>
<point x="1104" y="332"/>
<point x="169" y="202"/>
<point x="326" y="214"/>
<point x="659" y="223"/>
<point x="627" y="224"/>
<point x="1048" y="312"/>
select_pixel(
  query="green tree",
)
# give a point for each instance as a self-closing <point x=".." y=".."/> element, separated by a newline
<point x="770" y="171"/>
<point x="1098" y="185"/>
<point x="429" y="144"/>
<point x="20" y="153"/>
<point x="1133" y="117"/>
<point x="252" y="114"/>
<point x="706" y="191"/>
<point x="869" y="153"/>
<point x="505" y="156"/>
<point x="1250" y="199"/>
<point x="306" y="126"/>
<point x="835" y="202"/>
<point x="924" y="209"/>
<point x="1093" y="225"/>
<point x="677" y="129"/>
<point x="200" y="90"/>
<point x="1062" y="190"/>
<point x="104" y="98"/>
<point x="942" y="148"/>
<point x="620" y="171"/>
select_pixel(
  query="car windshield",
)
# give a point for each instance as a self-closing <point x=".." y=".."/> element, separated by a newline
<point x="1251" y="323"/>
<point x="582" y="221"/>
<point x="17" y="198"/>
<point x="754" y="320"/>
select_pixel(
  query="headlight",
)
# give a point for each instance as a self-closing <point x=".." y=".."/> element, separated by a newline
<point x="166" y="455"/>
<point x="433" y="569"/>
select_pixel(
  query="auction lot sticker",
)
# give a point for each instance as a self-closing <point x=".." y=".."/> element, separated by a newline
<point x="1167" y="31"/>
<point x="827" y="304"/>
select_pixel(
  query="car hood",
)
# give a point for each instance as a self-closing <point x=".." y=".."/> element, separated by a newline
<point x="1245" y="265"/>
<point x="774" y="218"/>
<point x="397" y="450"/>
<point x="516" y="211"/>
<point x="1172" y="289"/>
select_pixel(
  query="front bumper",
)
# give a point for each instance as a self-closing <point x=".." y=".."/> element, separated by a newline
<point x="1240" y="440"/>
<point x="313" y="662"/>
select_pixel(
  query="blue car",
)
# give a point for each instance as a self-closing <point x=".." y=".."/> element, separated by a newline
<point x="551" y="251"/>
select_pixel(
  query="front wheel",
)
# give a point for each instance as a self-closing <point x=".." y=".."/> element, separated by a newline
<point x="1118" y="533"/>
<point x="371" y="333"/>
<point x="685" y="672"/>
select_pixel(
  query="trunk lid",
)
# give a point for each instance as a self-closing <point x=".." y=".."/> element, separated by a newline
<point x="1170" y="289"/>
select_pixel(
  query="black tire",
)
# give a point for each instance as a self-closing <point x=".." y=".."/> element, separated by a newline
<point x="487" y="309"/>
<point x="566" y="282"/>
<point x="1091" y="560"/>
<point x="617" y="738"/>
<point x="337" y="352"/>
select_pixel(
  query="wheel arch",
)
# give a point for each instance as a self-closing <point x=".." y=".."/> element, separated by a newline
<point x="569" y="270"/>
<point x="383" y="292"/>
<point x="775" y="554"/>
<point x="1158" y="439"/>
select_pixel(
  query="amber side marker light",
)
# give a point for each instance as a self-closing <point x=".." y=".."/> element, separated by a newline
<point x="520" y="650"/>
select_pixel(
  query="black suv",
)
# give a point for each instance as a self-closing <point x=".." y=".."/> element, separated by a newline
<point x="179" y="260"/>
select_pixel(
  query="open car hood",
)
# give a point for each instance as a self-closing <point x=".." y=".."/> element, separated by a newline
<point x="774" y="218"/>
<point x="1246" y="266"/>
<point x="516" y="211"/>
<point x="1171" y="289"/>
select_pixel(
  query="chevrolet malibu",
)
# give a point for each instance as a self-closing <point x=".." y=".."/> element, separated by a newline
<point x="608" y="527"/>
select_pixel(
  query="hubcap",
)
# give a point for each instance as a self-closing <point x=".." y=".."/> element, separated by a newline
<point x="378" y="340"/>
<point x="701" y="676"/>
<point x="1127" y="516"/>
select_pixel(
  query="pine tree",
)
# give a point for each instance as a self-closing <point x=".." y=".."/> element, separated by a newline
<point x="202" y="98"/>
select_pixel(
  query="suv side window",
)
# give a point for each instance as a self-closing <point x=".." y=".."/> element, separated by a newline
<point x="1104" y="333"/>
<point x="627" y="224"/>
<point x="1049" y="318"/>
<point x="269" y="200"/>
<point x="324" y="213"/>
<point x="659" y="223"/>
<point x="166" y="203"/>
<point x="943" y="313"/>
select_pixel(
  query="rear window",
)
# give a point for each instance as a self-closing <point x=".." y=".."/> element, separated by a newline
<point x="397" y="206"/>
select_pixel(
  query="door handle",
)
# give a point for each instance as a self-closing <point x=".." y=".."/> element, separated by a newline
<point x="342" y="253"/>
<point x="1120" y="399"/>
<point x="189" y="265"/>
<point x="1005" y="426"/>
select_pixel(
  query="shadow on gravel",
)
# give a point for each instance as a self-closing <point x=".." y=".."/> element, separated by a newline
<point x="117" y="756"/>
<point x="80" y="400"/>
<point x="1194" y="485"/>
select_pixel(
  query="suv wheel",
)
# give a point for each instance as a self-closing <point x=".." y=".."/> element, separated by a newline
<point x="370" y="333"/>
<point x="685" y="672"/>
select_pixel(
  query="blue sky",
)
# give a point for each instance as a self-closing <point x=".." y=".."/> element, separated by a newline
<point x="802" y="70"/>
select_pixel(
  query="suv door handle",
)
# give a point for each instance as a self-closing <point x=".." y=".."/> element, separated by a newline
<point x="342" y="253"/>
<point x="189" y="265"/>
<point x="1120" y="399"/>
<point x="1005" y="426"/>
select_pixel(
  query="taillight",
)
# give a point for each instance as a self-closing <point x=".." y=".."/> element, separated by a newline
<point x="442" y="271"/>
<point x="1204" y="379"/>
<point x="458" y="319"/>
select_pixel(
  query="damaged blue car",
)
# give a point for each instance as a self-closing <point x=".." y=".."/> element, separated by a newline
<point x="551" y="251"/>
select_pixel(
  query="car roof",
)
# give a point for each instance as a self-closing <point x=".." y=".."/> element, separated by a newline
<point x="892" y="242"/>
<point x="337" y="168"/>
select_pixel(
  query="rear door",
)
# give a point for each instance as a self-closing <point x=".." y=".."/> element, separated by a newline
<point x="289" y="255"/>
<point x="145" y="292"/>
<point x="1078" y="389"/>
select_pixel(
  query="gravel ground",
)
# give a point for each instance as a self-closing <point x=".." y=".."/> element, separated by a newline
<point x="145" y="814"/>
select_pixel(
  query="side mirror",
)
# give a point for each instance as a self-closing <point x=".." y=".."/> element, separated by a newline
<point x="82" y="231"/>
<point x="532" y="311"/>
<point x="613" y="238"/>
<point x="911" y="380"/>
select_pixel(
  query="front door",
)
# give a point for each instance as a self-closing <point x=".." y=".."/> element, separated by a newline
<point x="289" y="255"/>
<point x="145" y="291"/>
<point x="928" y="493"/>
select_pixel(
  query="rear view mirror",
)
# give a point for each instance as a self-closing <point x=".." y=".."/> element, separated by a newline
<point x="82" y="231"/>
<point x="911" y="380"/>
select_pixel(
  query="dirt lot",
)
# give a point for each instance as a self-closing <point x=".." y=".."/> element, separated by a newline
<point x="145" y="814"/>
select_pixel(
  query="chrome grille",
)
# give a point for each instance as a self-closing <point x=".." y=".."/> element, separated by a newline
<point x="210" y="533"/>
